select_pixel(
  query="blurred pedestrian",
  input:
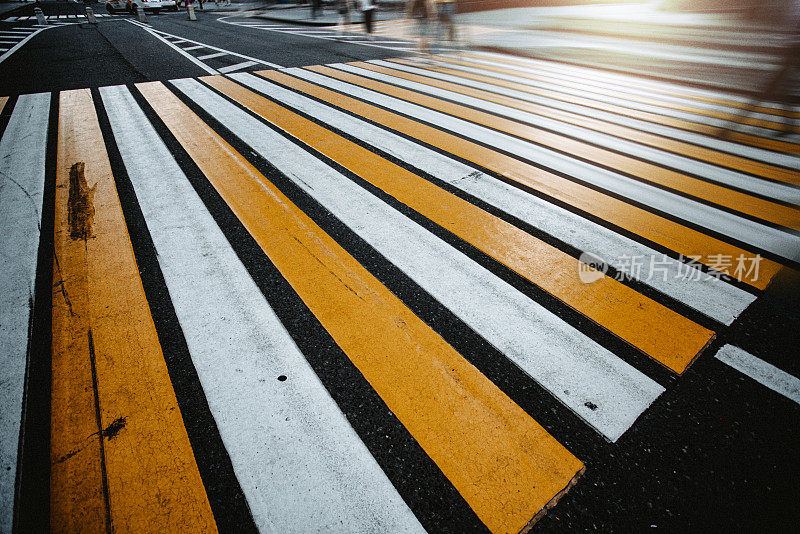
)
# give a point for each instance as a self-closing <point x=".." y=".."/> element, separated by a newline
<point x="316" y="8"/>
<point x="421" y="11"/>
<point x="368" y="9"/>
<point x="343" y="7"/>
<point x="445" y="10"/>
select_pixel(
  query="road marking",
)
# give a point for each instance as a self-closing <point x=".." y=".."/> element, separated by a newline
<point x="709" y="127"/>
<point x="615" y="155"/>
<point x="210" y="56"/>
<point x="297" y="457"/>
<point x="162" y="34"/>
<point x="623" y="134"/>
<point x="654" y="329"/>
<point x="762" y="372"/>
<point x="681" y="239"/>
<point x="22" y="168"/>
<point x="117" y="433"/>
<point x="238" y="66"/>
<point x="572" y="367"/>
<point x="178" y="49"/>
<point x="504" y="464"/>
<point x="19" y="45"/>
<point x="706" y="294"/>
<point x="195" y="47"/>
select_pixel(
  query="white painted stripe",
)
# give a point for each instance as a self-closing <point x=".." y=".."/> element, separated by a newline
<point x="22" y="165"/>
<point x="684" y="164"/>
<point x="770" y="239"/>
<point x="195" y="47"/>
<point x="178" y="49"/>
<point x="712" y="297"/>
<point x="10" y="19"/>
<point x="626" y="103"/>
<point x="766" y="156"/>
<point x="15" y="33"/>
<point x="301" y="465"/>
<point x="178" y="42"/>
<point x="238" y="66"/>
<point x="19" y="45"/>
<point x="575" y="369"/>
<point x="762" y="372"/>
<point x="62" y="16"/>
<point x="3" y="49"/>
<point x="24" y="18"/>
<point x="210" y="56"/>
<point x="169" y="35"/>
<point x="592" y="86"/>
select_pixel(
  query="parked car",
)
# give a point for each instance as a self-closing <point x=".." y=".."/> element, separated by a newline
<point x="116" y="6"/>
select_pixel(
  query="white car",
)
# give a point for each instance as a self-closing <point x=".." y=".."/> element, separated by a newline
<point x="114" y="6"/>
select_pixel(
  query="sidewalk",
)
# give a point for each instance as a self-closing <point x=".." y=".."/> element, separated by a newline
<point x="717" y="49"/>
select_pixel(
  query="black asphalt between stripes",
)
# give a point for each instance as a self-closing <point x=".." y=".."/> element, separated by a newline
<point x="434" y="501"/>
<point x="490" y="172"/>
<point x="641" y="158"/>
<point x="651" y="209"/>
<point x="708" y="451"/>
<point x="225" y="495"/>
<point x="32" y="497"/>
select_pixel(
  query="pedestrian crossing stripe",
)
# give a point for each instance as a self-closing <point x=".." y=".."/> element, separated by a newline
<point x="488" y="447"/>
<point x="490" y="73"/>
<point x="115" y="419"/>
<point x="517" y="100"/>
<point x="505" y="120"/>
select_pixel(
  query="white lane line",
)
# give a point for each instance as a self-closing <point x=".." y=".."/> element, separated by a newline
<point x="572" y="367"/>
<point x="781" y="243"/>
<point x="10" y="19"/>
<point x="210" y="47"/>
<point x="178" y="42"/>
<point x="19" y="45"/>
<point x="3" y="49"/>
<point x="195" y="47"/>
<point x="301" y="465"/>
<point x="178" y="49"/>
<point x="762" y="372"/>
<point x="667" y="159"/>
<point x="22" y="165"/>
<point x="766" y="156"/>
<point x="710" y="296"/>
<point x="211" y="56"/>
<point x="238" y="66"/>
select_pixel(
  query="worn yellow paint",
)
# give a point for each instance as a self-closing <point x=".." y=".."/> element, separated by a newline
<point x="682" y="148"/>
<point x="656" y="330"/>
<point x="648" y="225"/>
<point x="633" y="82"/>
<point x="748" y="139"/>
<point x="504" y="464"/>
<point x="734" y="200"/>
<point x="3" y="100"/>
<point x="107" y="362"/>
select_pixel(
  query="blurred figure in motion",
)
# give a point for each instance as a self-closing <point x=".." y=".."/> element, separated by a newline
<point x="421" y="11"/>
<point x="445" y="10"/>
<point x="316" y="8"/>
<point x="343" y="8"/>
<point x="368" y="9"/>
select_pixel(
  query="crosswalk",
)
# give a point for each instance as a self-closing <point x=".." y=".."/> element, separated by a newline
<point x="14" y="37"/>
<point x="243" y="265"/>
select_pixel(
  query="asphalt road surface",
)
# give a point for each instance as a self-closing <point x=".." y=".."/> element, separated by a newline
<point x="273" y="277"/>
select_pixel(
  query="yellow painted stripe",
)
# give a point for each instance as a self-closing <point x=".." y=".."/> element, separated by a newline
<point x="3" y="100"/>
<point x="735" y="200"/>
<point x="511" y="60"/>
<point x="667" y="233"/>
<point x="656" y="330"/>
<point x="747" y="139"/>
<point x="722" y="159"/>
<point x="106" y="356"/>
<point x="504" y="464"/>
<point x="543" y="77"/>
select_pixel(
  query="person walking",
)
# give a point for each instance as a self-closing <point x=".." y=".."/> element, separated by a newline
<point x="421" y="11"/>
<point x="445" y="10"/>
<point x="368" y="9"/>
<point x="343" y="7"/>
